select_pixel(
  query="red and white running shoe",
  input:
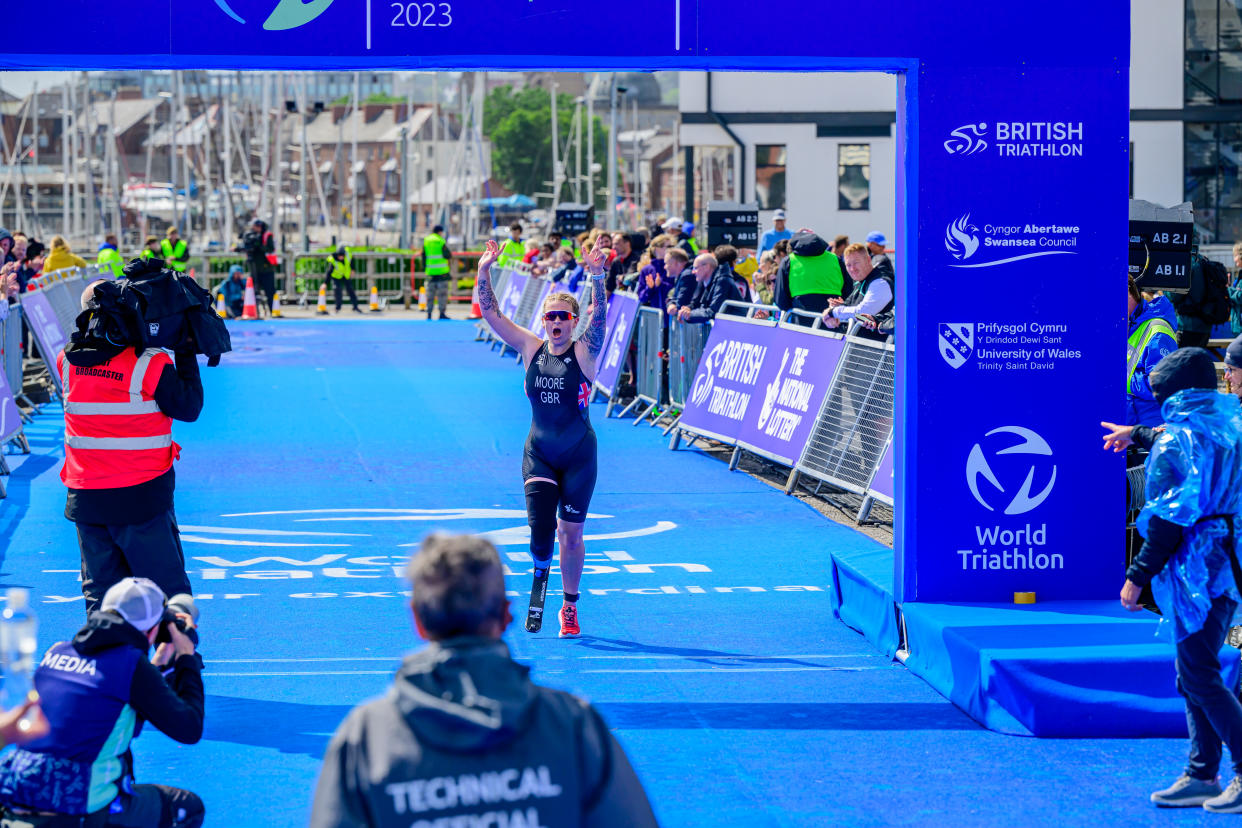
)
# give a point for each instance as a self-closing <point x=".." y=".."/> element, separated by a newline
<point x="569" y="620"/>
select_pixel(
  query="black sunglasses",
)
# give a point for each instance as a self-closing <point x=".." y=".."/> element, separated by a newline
<point x="558" y="316"/>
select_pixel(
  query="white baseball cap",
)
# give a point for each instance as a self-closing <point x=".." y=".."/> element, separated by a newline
<point x="138" y="600"/>
<point x="779" y="215"/>
<point x="672" y="224"/>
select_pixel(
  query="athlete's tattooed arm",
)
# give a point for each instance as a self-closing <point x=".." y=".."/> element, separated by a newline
<point x="594" y="335"/>
<point x="519" y="339"/>
<point x="487" y="297"/>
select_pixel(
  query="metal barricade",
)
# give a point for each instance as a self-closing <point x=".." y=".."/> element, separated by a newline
<point x="500" y="278"/>
<point x="652" y="370"/>
<point x="585" y="300"/>
<point x="855" y="421"/>
<point x="685" y="349"/>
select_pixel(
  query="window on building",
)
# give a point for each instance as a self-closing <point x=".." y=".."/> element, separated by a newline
<point x="854" y="177"/>
<point x="770" y="176"/>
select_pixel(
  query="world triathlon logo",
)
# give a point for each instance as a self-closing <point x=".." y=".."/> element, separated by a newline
<point x="967" y="140"/>
<point x="288" y="14"/>
<point x="981" y="462"/>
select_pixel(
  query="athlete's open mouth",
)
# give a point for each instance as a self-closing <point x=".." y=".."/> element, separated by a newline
<point x="556" y="331"/>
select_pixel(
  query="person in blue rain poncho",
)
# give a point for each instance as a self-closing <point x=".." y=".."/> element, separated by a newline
<point x="1194" y="497"/>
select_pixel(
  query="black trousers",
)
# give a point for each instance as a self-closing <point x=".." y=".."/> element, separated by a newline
<point x="143" y="550"/>
<point x="149" y="806"/>
<point x="265" y="281"/>
<point x="1193" y="339"/>
<point x="347" y="284"/>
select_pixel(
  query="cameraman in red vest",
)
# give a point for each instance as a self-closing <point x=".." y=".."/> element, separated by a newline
<point x="120" y="401"/>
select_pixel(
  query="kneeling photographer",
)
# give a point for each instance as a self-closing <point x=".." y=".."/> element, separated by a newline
<point x="97" y="691"/>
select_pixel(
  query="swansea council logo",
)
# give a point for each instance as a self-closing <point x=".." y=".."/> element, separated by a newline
<point x="288" y="14"/>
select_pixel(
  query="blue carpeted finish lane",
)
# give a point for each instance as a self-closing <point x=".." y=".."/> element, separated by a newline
<point x="328" y="449"/>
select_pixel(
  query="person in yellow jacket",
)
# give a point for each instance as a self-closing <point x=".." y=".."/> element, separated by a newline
<point x="150" y="249"/>
<point x="110" y="257"/>
<point x="436" y="257"/>
<point x="174" y="251"/>
<point x="340" y="276"/>
<point x="61" y="257"/>
<point x="513" y="250"/>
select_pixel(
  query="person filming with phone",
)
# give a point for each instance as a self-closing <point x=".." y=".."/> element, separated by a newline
<point x="97" y="691"/>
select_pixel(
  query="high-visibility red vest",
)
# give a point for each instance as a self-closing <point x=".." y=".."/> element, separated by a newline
<point x="115" y="433"/>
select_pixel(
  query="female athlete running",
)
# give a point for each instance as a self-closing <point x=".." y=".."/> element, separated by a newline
<point x="558" y="464"/>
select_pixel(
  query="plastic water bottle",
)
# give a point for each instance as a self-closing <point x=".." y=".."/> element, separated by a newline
<point x="18" y="635"/>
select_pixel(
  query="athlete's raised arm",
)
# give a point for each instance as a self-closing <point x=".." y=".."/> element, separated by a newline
<point x="591" y="345"/>
<point x="520" y="339"/>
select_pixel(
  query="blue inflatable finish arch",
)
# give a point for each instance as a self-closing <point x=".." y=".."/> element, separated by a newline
<point x="1013" y="136"/>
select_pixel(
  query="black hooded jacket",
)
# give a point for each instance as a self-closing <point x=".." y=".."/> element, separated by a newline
<point x="464" y="732"/>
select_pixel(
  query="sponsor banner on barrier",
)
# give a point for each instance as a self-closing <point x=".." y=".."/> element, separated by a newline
<point x="761" y="386"/>
<point x="42" y="320"/>
<point x="10" y="417"/>
<point x="622" y="314"/>
<point x="796" y="375"/>
<point x="882" y="482"/>
<point x="512" y="296"/>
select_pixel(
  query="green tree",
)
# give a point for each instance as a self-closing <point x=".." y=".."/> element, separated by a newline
<point x="519" y="125"/>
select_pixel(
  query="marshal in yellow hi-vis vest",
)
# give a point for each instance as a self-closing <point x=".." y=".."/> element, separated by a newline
<point x="511" y="253"/>
<point x="437" y="263"/>
<point x="174" y="254"/>
<point x="1138" y="341"/>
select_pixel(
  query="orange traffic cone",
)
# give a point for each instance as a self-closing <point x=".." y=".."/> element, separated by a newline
<point x="276" y="306"/>
<point x="250" y="308"/>
<point x="475" y="311"/>
<point x="322" y="307"/>
<point x="375" y="308"/>
<point x="220" y="306"/>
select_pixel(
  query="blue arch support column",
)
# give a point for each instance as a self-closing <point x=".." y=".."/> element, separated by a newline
<point x="1013" y="125"/>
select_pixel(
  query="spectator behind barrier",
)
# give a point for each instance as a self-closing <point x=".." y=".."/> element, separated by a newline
<point x="778" y="233"/>
<point x="1194" y="490"/>
<point x="6" y="247"/>
<point x="876" y="243"/>
<point x="654" y="281"/>
<point x="96" y="691"/>
<point x="625" y="262"/>
<point x="726" y="257"/>
<point x="714" y="286"/>
<point x="873" y="291"/>
<point x="61" y="256"/>
<point x="682" y="278"/>
<point x="1235" y="291"/>
<point x="463" y="715"/>
<point x="810" y="276"/>
<point x="765" y="277"/>
<point x="839" y="244"/>
<point x="1151" y="324"/>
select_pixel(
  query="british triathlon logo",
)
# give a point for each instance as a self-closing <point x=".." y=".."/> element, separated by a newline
<point x="997" y="457"/>
<point x="1018" y="139"/>
<point x="957" y="342"/>
<point x="967" y="140"/>
<point x="288" y="14"/>
<point x="989" y="245"/>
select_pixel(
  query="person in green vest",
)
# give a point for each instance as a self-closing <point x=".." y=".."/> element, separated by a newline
<point x="150" y="249"/>
<point x="811" y="275"/>
<point x="340" y="276"/>
<point x="176" y="253"/>
<point x="110" y="257"/>
<point x="436" y="256"/>
<point x="1152" y="337"/>
<point x="513" y="250"/>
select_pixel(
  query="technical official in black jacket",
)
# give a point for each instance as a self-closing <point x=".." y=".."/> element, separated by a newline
<point x="464" y="736"/>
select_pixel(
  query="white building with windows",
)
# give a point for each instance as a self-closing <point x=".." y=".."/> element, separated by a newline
<point x="822" y="145"/>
